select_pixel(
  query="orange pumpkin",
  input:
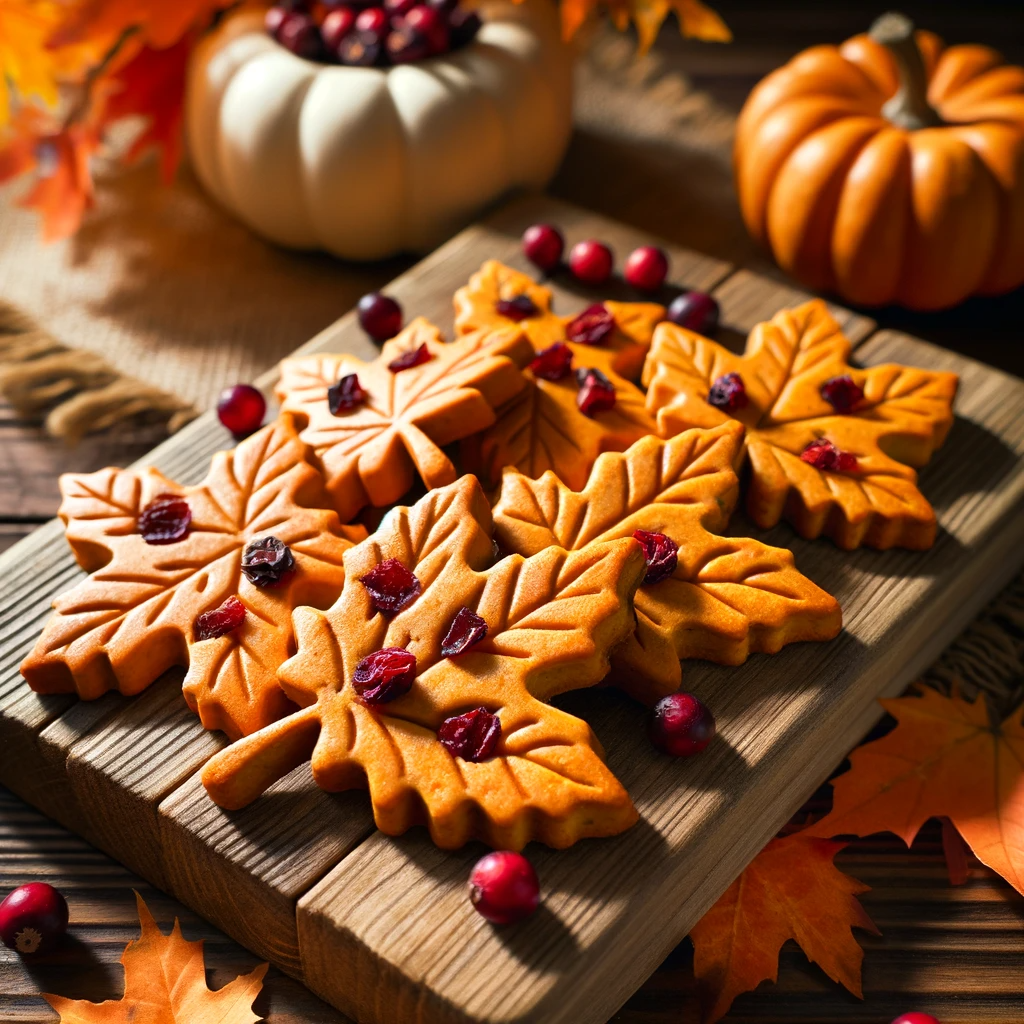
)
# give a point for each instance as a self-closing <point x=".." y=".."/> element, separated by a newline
<point x="889" y="169"/>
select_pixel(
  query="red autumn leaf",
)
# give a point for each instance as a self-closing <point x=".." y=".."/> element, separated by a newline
<point x="160" y="23"/>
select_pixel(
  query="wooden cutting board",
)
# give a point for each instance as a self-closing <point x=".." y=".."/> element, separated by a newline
<point x="381" y="927"/>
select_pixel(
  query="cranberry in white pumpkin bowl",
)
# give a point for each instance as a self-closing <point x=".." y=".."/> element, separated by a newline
<point x="377" y="130"/>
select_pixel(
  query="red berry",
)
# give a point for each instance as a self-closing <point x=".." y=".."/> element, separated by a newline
<point x="467" y="629"/>
<point x="338" y="24"/>
<point x="406" y="46"/>
<point x="373" y="21"/>
<point x="473" y="736"/>
<point x="345" y="395"/>
<point x="362" y="50"/>
<point x="165" y="520"/>
<point x="661" y="554"/>
<point x="696" y="311"/>
<point x="543" y="246"/>
<point x="519" y="308"/>
<point x="463" y="27"/>
<point x="681" y="725"/>
<point x="391" y="586"/>
<point x="823" y="454"/>
<point x="842" y="393"/>
<point x="553" y="362"/>
<point x="385" y="675"/>
<point x="407" y="360"/>
<point x="399" y="8"/>
<point x="33" y="918"/>
<point x="220" y="621"/>
<point x="728" y="393"/>
<point x="592" y="326"/>
<point x="444" y="7"/>
<point x="646" y="268"/>
<point x="430" y="23"/>
<point x="274" y="19"/>
<point x="596" y="394"/>
<point x="241" y="409"/>
<point x="915" y="1017"/>
<point x="503" y="887"/>
<point x="591" y="262"/>
<point x="300" y="34"/>
<point x="266" y="561"/>
<point x="379" y="315"/>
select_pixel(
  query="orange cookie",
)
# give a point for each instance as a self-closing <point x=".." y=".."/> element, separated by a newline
<point x="373" y="425"/>
<point x="202" y="576"/>
<point x="428" y="683"/>
<point x="830" y="446"/>
<point x="705" y="596"/>
<point x="498" y="296"/>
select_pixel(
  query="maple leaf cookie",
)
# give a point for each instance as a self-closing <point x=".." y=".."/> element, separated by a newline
<point x="830" y="446"/>
<point x="374" y="425"/>
<point x="428" y="682"/>
<point x="619" y="332"/>
<point x="704" y="596"/>
<point x="203" y="576"/>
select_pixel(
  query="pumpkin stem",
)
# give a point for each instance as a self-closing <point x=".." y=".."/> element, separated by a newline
<point x="908" y="107"/>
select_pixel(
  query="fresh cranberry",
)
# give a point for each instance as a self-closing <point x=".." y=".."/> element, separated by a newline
<point x="503" y="887"/>
<point x="430" y="23"/>
<point x="473" y="736"/>
<point x="646" y="268"/>
<point x="241" y="409"/>
<point x="463" y="26"/>
<point x="681" y="725"/>
<point x="592" y="326"/>
<point x="220" y="621"/>
<point x="391" y="586"/>
<point x="444" y="7"/>
<point x="915" y="1017"/>
<point x="165" y="520"/>
<point x="406" y="46"/>
<point x="385" y="675"/>
<point x="843" y="393"/>
<point x="379" y="315"/>
<point x="661" y="554"/>
<point x="33" y="918"/>
<point x="553" y="362"/>
<point x="596" y="394"/>
<point x="345" y="395"/>
<point x="362" y="50"/>
<point x="823" y="454"/>
<point x="300" y="34"/>
<point x="266" y="561"/>
<point x="274" y="19"/>
<point x="728" y="393"/>
<point x="467" y="629"/>
<point x="373" y="21"/>
<point x="407" y="360"/>
<point x="397" y="9"/>
<point x="518" y="308"/>
<point x="696" y="311"/>
<point x="543" y="246"/>
<point x="591" y="262"/>
<point x="336" y="25"/>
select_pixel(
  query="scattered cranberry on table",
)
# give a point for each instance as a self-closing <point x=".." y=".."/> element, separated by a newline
<point x="591" y="262"/>
<point x="696" y="311"/>
<point x="915" y="1017"/>
<point x="681" y="725"/>
<point x="33" y="918"/>
<point x="380" y="316"/>
<point x="543" y="246"/>
<point x="241" y="409"/>
<point x="646" y="268"/>
<point x="503" y="887"/>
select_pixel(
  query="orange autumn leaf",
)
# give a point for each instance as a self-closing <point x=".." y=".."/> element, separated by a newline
<point x="791" y="890"/>
<point x="27" y="67"/>
<point x="696" y="19"/>
<point x="945" y="758"/>
<point x="159" y="23"/>
<point x="165" y="983"/>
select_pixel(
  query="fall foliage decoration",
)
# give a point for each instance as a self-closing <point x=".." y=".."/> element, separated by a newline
<point x="791" y="890"/>
<point x="726" y="598"/>
<point x="889" y="169"/>
<point x="696" y="19"/>
<point x="550" y="622"/>
<point x="165" y="980"/>
<point x="142" y="609"/>
<point x="830" y="446"/>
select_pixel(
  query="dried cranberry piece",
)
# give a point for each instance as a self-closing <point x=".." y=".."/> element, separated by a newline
<point x="345" y="395"/>
<point x="414" y="357"/>
<point x="592" y="326"/>
<point x="522" y="307"/>
<point x="467" y="629"/>
<point x="553" y="362"/>
<point x="472" y="736"/>
<point x="220" y="621"/>
<point x="661" y="554"/>
<point x="823" y="454"/>
<point x="384" y="675"/>
<point x="728" y="393"/>
<point x="391" y="586"/>
<point x="843" y="393"/>
<point x="596" y="394"/>
<point x="266" y="561"/>
<point x="165" y="519"/>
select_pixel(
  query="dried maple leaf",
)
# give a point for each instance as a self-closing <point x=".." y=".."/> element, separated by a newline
<point x="902" y="417"/>
<point x="157" y="22"/>
<point x="135" y="616"/>
<point x="550" y="622"/>
<point x="165" y="983"/>
<point x="791" y="890"/>
<point x="945" y="758"/>
<point x="728" y="596"/>
<point x="696" y="20"/>
<point x="371" y="450"/>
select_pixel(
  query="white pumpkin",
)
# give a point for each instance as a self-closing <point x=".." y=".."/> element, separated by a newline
<point x="367" y="162"/>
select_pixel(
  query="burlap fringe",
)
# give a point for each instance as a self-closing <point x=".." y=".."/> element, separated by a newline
<point x="83" y="392"/>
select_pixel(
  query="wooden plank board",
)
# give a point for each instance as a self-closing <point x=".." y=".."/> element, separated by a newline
<point x="382" y="927"/>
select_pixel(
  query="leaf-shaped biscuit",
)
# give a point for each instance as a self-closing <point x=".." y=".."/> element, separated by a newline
<point x="728" y="596"/>
<point x="881" y="422"/>
<point x="476" y="307"/>
<point x="369" y="452"/>
<point x="551" y="621"/>
<point x="135" y="616"/>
